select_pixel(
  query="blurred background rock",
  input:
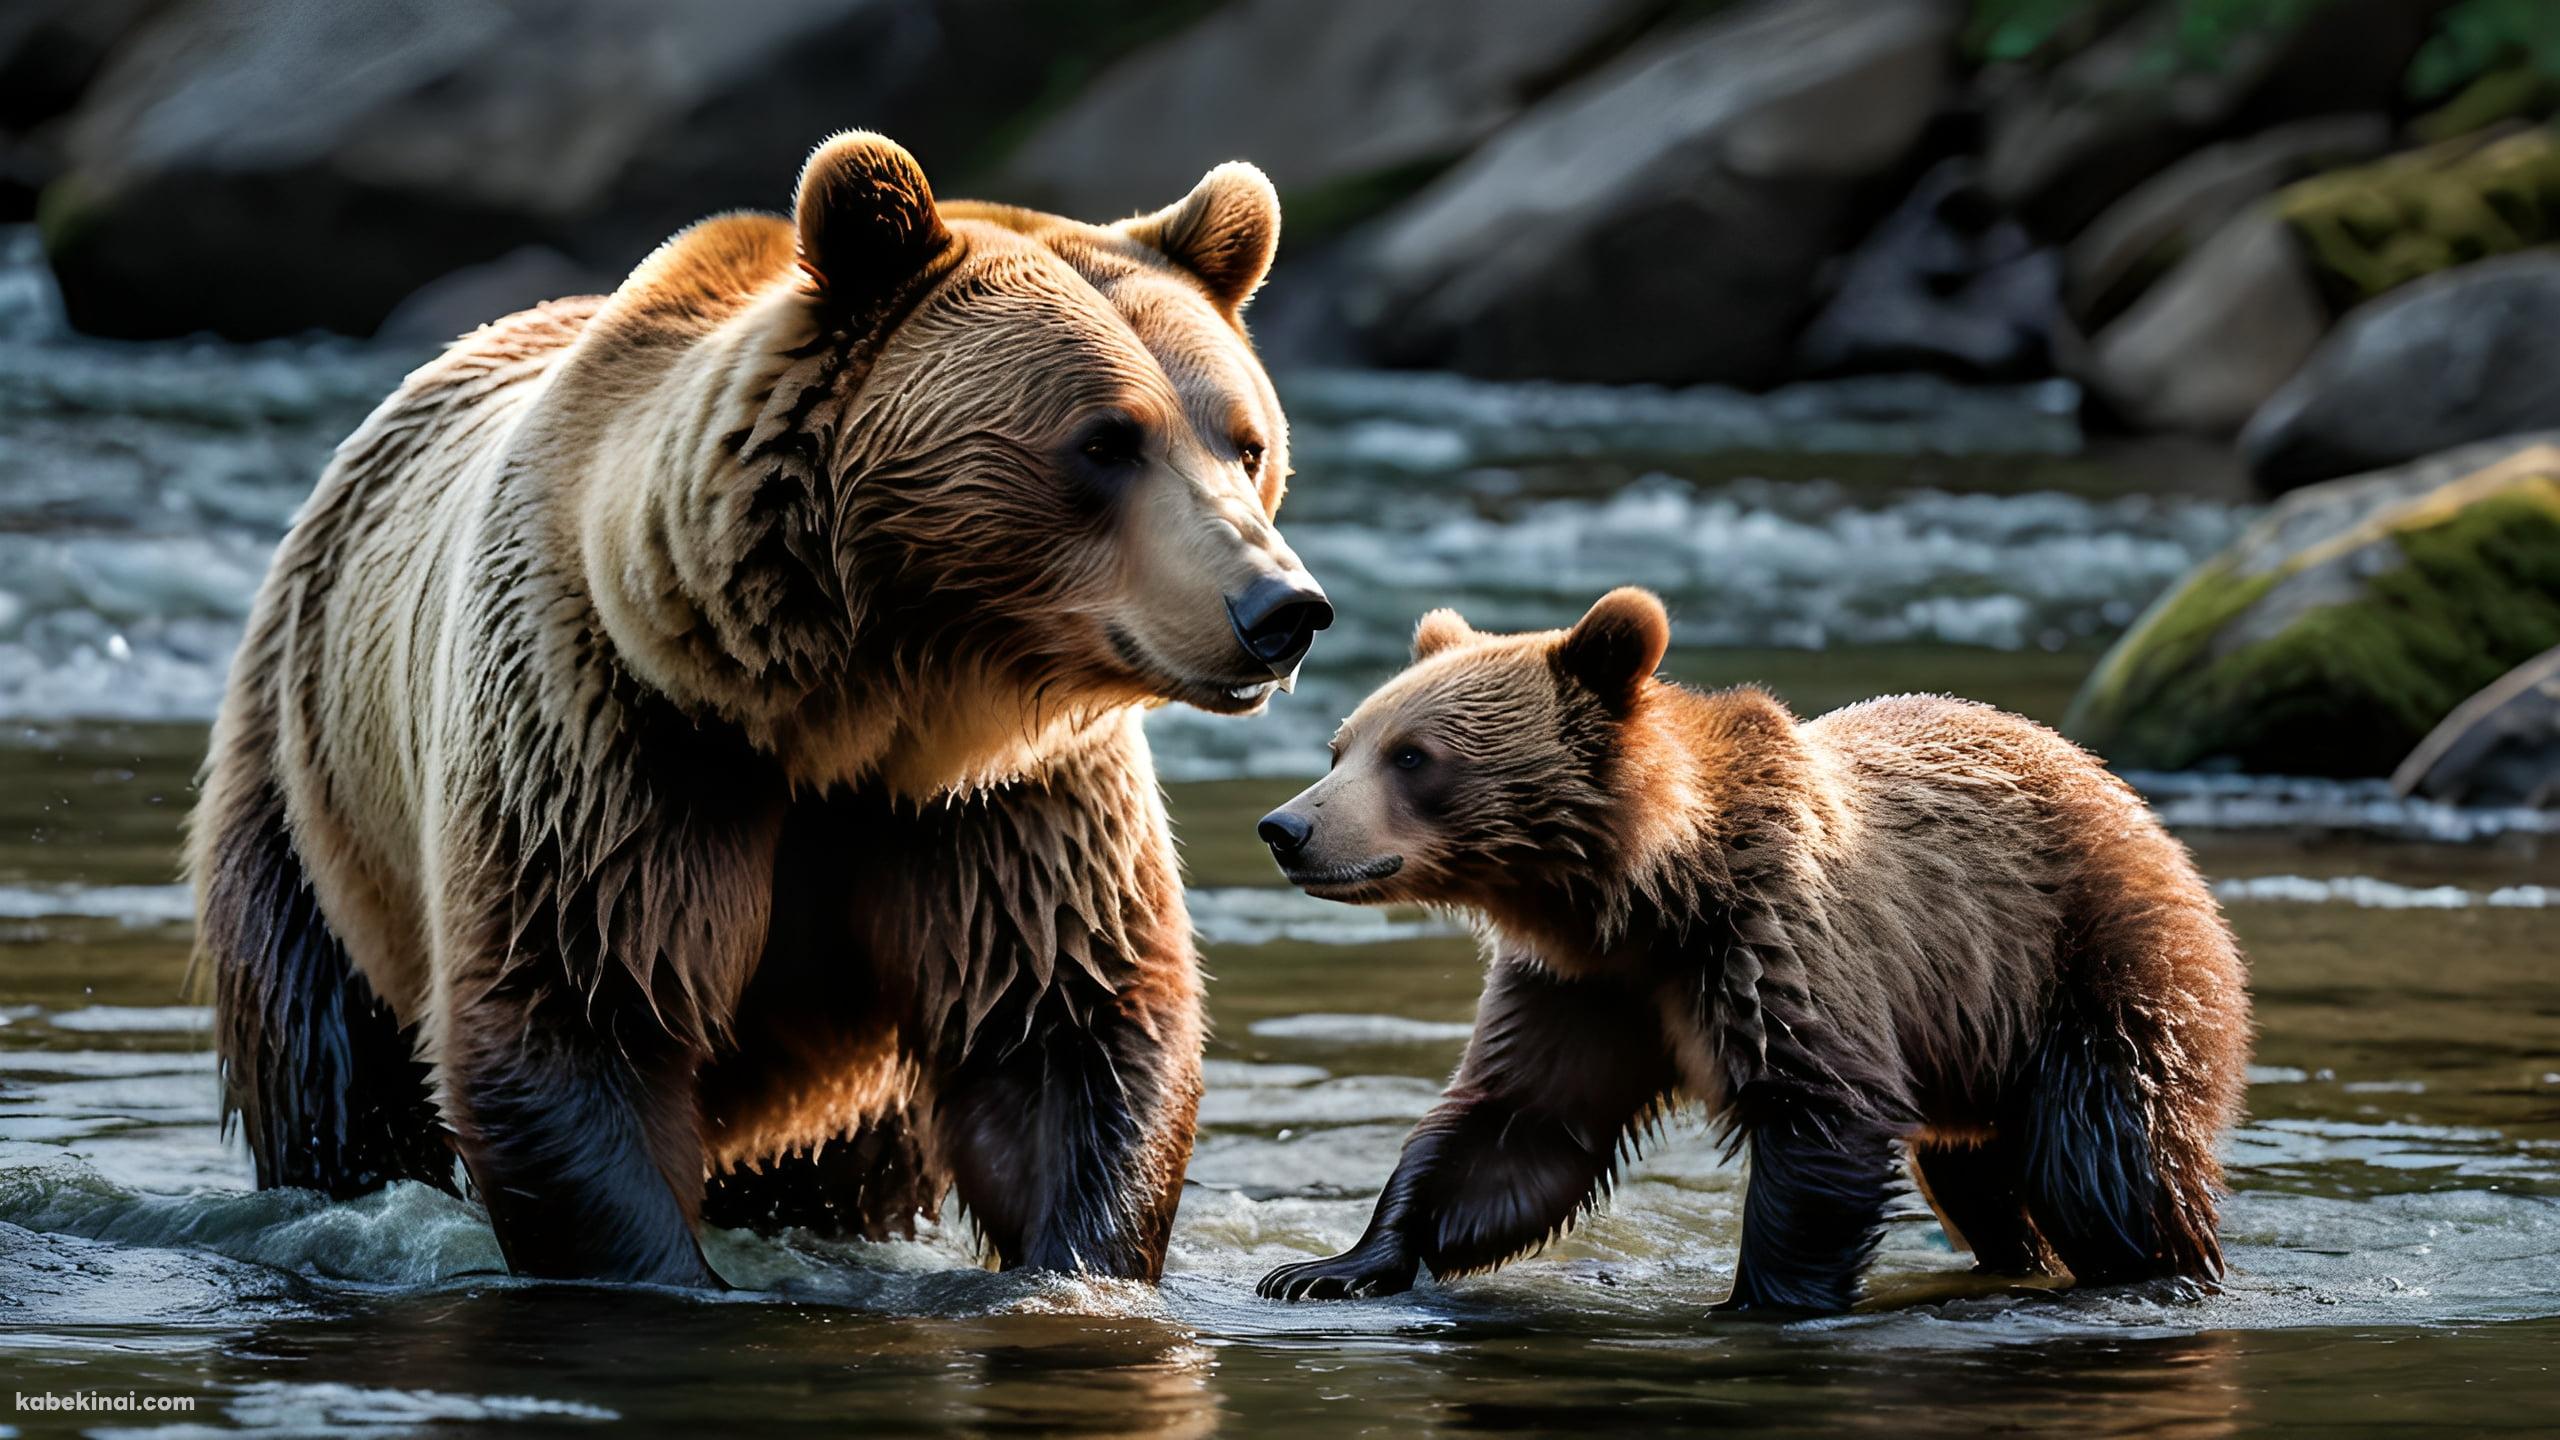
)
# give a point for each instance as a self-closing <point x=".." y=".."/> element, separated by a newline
<point x="2290" y="240"/>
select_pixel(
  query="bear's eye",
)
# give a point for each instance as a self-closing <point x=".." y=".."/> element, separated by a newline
<point x="1406" y="758"/>
<point x="1114" y="444"/>
<point x="1250" y="452"/>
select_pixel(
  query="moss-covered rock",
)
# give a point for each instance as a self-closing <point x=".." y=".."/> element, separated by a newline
<point x="2376" y="227"/>
<point x="2344" y="625"/>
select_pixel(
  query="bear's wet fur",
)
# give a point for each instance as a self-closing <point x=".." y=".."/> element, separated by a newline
<point x="1914" y="928"/>
<point x="685" y="759"/>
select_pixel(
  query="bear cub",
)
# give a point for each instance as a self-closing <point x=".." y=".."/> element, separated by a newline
<point x="1912" y="928"/>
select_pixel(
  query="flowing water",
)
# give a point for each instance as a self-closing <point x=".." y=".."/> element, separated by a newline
<point x="2395" y="1234"/>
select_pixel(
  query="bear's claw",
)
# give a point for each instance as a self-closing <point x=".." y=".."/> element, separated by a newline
<point x="1358" y="1273"/>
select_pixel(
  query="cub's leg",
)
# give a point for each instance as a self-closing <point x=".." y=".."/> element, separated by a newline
<point x="1557" y="1079"/>
<point x="1980" y="1201"/>
<point x="2139" y="1073"/>
<point x="1821" y="1176"/>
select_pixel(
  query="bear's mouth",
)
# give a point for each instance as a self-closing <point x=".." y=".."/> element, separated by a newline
<point x="1218" y="697"/>
<point x="1344" y="877"/>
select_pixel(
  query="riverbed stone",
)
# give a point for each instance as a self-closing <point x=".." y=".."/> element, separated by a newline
<point x="2343" y="625"/>
<point x="2500" y="747"/>
<point x="1663" y="218"/>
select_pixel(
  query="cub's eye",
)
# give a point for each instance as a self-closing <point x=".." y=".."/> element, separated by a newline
<point x="1114" y="444"/>
<point x="1250" y="452"/>
<point x="1406" y="758"/>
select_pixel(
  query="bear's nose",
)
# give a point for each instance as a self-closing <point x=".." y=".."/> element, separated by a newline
<point x="1285" y="833"/>
<point x="1277" y="618"/>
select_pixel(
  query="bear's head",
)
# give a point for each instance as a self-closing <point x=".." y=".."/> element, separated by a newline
<point x="950" y="476"/>
<point x="1495" y="767"/>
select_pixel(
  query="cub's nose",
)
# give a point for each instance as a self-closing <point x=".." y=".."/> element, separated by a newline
<point x="1277" y="618"/>
<point x="1285" y="833"/>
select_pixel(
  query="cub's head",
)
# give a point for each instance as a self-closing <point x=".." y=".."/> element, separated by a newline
<point x="1026" y="465"/>
<point x="1494" y="764"/>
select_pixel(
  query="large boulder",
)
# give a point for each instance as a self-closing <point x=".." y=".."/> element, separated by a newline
<point x="2165" y="219"/>
<point x="2343" y="625"/>
<point x="1343" y="103"/>
<point x="2466" y="355"/>
<point x="2206" y="345"/>
<point x="263" y="169"/>
<point x="2500" y="747"/>
<point x="1662" y="218"/>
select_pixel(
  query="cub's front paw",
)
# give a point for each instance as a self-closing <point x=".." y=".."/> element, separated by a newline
<point x="1369" y="1268"/>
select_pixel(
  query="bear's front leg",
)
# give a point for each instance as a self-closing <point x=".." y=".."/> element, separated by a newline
<point x="1821" y="1175"/>
<point x="1055" y="1002"/>
<point x="577" y="1126"/>
<point x="1558" y="1076"/>
<point x="1068" y="1146"/>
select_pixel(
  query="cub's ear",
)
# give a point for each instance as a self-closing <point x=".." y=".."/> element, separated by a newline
<point x="1225" y="231"/>
<point x="1616" y="646"/>
<point x="866" y="218"/>
<point x="1439" y="630"/>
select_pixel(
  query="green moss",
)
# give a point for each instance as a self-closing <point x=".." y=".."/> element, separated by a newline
<point x="2346" y="689"/>
<point x="2131" y="709"/>
<point x="2376" y="227"/>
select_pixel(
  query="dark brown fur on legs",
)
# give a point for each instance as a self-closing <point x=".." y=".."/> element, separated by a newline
<point x="1913" y="924"/>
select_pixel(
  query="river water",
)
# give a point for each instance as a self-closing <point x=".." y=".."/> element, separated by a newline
<point x="2395" y="1234"/>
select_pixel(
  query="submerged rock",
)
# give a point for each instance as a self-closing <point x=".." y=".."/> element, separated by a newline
<point x="2457" y="357"/>
<point x="1663" y="217"/>
<point x="2343" y="625"/>
<point x="2500" y="747"/>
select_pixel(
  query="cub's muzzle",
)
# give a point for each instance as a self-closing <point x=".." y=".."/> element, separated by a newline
<point x="1285" y="833"/>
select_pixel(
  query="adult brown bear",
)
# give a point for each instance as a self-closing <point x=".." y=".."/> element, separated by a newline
<point x="1913" y="924"/>
<point x="692" y="735"/>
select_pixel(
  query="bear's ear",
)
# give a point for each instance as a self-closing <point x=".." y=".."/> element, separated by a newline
<point x="1439" y="630"/>
<point x="1617" y="645"/>
<point x="1225" y="231"/>
<point x="866" y="218"/>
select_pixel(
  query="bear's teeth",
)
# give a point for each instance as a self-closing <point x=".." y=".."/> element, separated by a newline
<point x="1250" y="692"/>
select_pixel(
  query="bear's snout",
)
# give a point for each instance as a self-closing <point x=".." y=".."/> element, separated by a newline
<point x="1277" y="617"/>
